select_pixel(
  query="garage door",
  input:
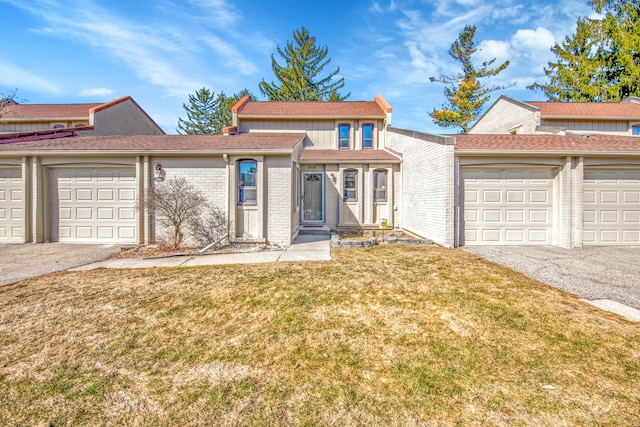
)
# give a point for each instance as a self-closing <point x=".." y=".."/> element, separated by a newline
<point x="611" y="208"/>
<point x="93" y="206"/>
<point x="11" y="206"/>
<point x="507" y="207"/>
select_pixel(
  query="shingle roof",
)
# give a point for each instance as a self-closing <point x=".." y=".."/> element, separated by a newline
<point x="345" y="156"/>
<point x="161" y="143"/>
<point x="559" y="143"/>
<point x="618" y="110"/>
<point x="47" y="111"/>
<point x="310" y="109"/>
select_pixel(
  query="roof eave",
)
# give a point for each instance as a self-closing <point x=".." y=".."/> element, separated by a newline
<point x="583" y="153"/>
<point x="311" y="116"/>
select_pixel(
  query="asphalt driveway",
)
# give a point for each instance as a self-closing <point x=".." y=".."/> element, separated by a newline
<point x="23" y="261"/>
<point x="593" y="273"/>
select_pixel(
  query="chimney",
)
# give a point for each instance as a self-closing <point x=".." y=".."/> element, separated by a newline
<point x="230" y="130"/>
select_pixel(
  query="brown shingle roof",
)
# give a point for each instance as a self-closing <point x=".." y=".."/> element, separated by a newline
<point x="559" y="143"/>
<point x="619" y="110"/>
<point x="310" y="109"/>
<point x="47" y="111"/>
<point x="161" y="143"/>
<point x="346" y="156"/>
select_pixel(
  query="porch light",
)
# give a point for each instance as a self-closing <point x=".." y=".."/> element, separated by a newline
<point x="158" y="172"/>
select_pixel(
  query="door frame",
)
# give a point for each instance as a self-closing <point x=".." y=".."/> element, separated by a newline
<point x="322" y="198"/>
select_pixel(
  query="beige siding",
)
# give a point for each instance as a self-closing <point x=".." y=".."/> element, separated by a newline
<point x="124" y="118"/>
<point x="506" y="117"/>
<point x="321" y="134"/>
<point x="613" y="127"/>
<point x="427" y="184"/>
<point x="14" y="126"/>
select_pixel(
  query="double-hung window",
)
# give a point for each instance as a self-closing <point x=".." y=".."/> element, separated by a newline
<point x="350" y="180"/>
<point x="379" y="185"/>
<point x="344" y="130"/>
<point x="247" y="186"/>
<point x="367" y="135"/>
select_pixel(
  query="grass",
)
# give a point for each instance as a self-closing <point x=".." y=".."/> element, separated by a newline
<point x="392" y="335"/>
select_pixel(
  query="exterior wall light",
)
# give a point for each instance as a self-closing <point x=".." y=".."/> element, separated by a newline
<point x="158" y="172"/>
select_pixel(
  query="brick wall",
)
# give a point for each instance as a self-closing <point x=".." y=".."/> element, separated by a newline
<point x="278" y="210"/>
<point x="427" y="202"/>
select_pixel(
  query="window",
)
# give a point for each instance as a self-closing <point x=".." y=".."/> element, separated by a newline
<point x="367" y="135"/>
<point x="350" y="185"/>
<point x="343" y="135"/>
<point x="380" y="185"/>
<point x="635" y="130"/>
<point x="247" y="190"/>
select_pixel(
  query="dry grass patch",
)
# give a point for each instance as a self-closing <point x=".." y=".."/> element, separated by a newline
<point x="392" y="335"/>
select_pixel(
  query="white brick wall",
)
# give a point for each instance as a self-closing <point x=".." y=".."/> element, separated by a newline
<point x="278" y="187"/>
<point x="427" y="207"/>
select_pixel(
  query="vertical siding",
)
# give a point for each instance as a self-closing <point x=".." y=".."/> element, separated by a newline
<point x="427" y="184"/>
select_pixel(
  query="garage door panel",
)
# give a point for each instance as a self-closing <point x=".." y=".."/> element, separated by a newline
<point x="12" y="213"/>
<point x="88" y="207"/>
<point x="611" y="207"/>
<point x="507" y="207"/>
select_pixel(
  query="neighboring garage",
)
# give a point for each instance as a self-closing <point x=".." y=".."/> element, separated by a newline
<point x="507" y="207"/>
<point x="11" y="205"/>
<point x="93" y="205"/>
<point x="611" y="207"/>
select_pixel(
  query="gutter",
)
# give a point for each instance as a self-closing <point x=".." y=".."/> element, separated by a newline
<point x="572" y="153"/>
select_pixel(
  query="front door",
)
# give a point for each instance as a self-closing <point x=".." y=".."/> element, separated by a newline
<point x="312" y="197"/>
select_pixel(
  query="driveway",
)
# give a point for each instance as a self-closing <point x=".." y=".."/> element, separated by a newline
<point x="593" y="273"/>
<point x="23" y="261"/>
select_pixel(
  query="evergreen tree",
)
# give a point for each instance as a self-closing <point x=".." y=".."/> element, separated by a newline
<point x="600" y="62"/>
<point x="467" y="94"/>
<point x="208" y="113"/>
<point x="300" y="79"/>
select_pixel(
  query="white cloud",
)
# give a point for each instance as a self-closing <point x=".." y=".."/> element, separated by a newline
<point x="533" y="42"/>
<point x="14" y="76"/>
<point x="98" y="91"/>
<point x="490" y="49"/>
<point x="233" y="57"/>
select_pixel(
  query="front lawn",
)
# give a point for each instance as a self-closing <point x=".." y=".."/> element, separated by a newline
<point x="391" y="336"/>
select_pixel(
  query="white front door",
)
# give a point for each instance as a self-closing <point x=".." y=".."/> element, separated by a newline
<point x="312" y="197"/>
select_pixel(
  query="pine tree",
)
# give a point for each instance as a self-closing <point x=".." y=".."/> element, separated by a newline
<point x="300" y="79"/>
<point x="600" y="62"/>
<point x="208" y="113"/>
<point x="467" y="94"/>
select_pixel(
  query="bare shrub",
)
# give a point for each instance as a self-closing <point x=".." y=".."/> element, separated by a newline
<point x="175" y="203"/>
<point x="209" y="226"/>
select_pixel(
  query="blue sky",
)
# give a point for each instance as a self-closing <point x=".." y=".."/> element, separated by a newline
<point x="160" y="51"/>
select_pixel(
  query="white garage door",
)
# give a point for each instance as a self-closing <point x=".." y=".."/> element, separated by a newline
<point x="611" y="208"/>
<point x="11" y="206"/>
<point x="93" y="206"/>
<point x="507" y="207"/>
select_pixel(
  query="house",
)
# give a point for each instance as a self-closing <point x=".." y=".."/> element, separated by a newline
<point x="122" y="116"/>
<point x="283" y="168"/>
<point x="508" y="116"/>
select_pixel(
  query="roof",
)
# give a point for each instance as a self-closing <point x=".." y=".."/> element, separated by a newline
<point x="47" y="111"/>
<point x="313" y="109"/>
<point x="346" y="156"/>
<point x="547" y="143"/>
<point x="588" y="110"/>
<point x="161" y="143"/>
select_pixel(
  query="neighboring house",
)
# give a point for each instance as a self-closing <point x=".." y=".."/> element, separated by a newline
<point x="284" y="167"/>
<point x="122" y="116"/>
<point x="508" y="116"/>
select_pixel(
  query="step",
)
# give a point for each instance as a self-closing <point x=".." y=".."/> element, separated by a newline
<point x="314" y="230"/>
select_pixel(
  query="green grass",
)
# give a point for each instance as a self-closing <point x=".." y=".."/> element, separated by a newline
<point x="389" y="336"/>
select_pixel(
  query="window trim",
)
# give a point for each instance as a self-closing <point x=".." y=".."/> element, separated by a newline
<point x="385" y="172"/>
<point x="362" y="140"/>
<point x="242" y="187"/>
<point x="347" y="139"/>
<point x="346" y="190"/>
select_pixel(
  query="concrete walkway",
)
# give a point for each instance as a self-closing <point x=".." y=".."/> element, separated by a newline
<point x="304" y="248"/>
